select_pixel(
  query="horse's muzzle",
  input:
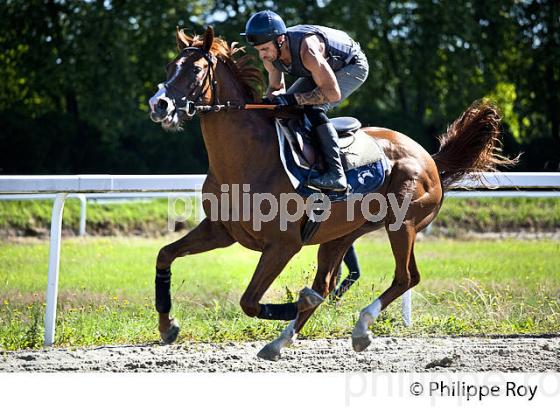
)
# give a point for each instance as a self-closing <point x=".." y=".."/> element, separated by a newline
<point x="161" y="106"/>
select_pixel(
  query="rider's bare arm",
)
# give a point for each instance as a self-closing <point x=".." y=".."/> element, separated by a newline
<point x="312" y="50"/>
<point x="276" y="83"/>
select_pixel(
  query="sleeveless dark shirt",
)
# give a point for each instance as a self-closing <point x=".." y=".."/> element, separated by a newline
<point x="340" y="48"/>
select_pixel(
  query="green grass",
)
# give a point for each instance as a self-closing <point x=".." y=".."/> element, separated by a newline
<point x="499" y="214"/>
<point x="141" y="217"/>
<point x="106" y="291"/>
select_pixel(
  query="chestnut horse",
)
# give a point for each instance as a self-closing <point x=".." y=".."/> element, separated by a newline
<point x="243" y="149"/>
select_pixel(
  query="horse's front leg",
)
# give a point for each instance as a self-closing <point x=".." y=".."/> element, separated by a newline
<point x="272" y="262"/>
<point x="308" y="301"/>
<point x="329" y="257"/>
<point x="205" y="237"/>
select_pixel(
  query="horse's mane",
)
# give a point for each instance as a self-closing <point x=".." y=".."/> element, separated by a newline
<point x="249" y="76"/>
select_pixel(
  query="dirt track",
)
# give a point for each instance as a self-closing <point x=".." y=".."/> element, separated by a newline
<point x="386" y="354"/>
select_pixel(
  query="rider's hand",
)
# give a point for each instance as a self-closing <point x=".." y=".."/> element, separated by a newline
<point x="285" y="100"/>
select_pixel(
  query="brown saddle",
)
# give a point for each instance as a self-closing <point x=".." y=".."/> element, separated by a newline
<point x="304" y="144"/>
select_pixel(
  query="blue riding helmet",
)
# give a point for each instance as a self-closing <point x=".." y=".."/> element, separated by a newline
<point x="263" y="27"/>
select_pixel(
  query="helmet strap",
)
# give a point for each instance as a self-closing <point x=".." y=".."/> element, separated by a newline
<point x="279" y="45"/>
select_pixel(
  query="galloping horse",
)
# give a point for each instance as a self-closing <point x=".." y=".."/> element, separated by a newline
<point x="243" y="149"/>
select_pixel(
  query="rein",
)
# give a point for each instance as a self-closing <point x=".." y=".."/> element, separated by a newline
<point x="191" y="109"/>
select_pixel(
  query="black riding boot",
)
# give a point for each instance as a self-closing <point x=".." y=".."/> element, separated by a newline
<point x="333" y="179"/>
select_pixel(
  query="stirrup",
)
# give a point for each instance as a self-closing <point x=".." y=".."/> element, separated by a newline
<point x="324" y="189"/>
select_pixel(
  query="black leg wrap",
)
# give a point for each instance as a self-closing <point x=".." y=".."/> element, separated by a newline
<point x="344" y="286"/>
<point x="351" y="261"/>
<point x="163" y="295"/>
<point x="281" y="311"/>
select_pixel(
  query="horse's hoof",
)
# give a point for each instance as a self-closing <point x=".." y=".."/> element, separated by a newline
<point x="361" y="343"/>
<point x="269" y="353"/>
<point x="170" y="335"/>
<point x="308" y="299"/>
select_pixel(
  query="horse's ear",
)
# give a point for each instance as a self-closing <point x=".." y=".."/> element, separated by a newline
<point x="182" y="40"/>
<point x="208" y="39"/>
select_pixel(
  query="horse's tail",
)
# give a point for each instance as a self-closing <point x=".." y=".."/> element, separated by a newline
<point x="471" y="144"/>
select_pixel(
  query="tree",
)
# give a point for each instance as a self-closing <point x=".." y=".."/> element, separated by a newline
<point x="77" y="75"/>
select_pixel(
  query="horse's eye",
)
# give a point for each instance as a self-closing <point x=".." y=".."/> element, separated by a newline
<point x="197" y="69"/>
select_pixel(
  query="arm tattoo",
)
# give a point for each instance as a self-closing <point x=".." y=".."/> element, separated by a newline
<point x="314" y="97"/>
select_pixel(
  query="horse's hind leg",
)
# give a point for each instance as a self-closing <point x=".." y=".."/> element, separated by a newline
<point x="406" y="276"/>
<point x="205" y="237"/>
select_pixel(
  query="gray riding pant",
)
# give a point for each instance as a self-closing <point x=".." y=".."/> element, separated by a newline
<point x="349" y="78"/>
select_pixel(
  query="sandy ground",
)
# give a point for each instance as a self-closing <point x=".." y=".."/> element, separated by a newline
<point x="386" y="354"/>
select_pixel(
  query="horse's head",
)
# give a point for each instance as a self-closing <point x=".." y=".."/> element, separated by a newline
<point x="189" y="81"/>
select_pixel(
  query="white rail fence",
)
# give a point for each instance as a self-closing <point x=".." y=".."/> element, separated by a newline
<point x="102" y="198"/>
<point x="106" y="186"/>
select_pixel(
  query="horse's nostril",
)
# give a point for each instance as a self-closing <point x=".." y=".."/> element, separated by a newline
<point x="162" y="105"/>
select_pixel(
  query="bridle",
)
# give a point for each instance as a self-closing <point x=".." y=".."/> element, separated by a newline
<point x="190" y="107"/>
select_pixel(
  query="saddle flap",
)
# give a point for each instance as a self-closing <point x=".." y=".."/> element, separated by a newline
<point x="298" y="132"/>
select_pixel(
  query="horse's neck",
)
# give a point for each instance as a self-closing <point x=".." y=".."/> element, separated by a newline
<point x="241" y="145"/>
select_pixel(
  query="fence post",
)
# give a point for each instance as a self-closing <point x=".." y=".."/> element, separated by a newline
<point x="54" y="263"/>
<point x="83" y="211"/>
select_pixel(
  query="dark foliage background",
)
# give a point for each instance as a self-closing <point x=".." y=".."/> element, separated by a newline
<point x="75" y="76"/>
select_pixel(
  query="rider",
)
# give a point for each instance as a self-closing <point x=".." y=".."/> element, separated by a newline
<point x="329" y="65"/>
